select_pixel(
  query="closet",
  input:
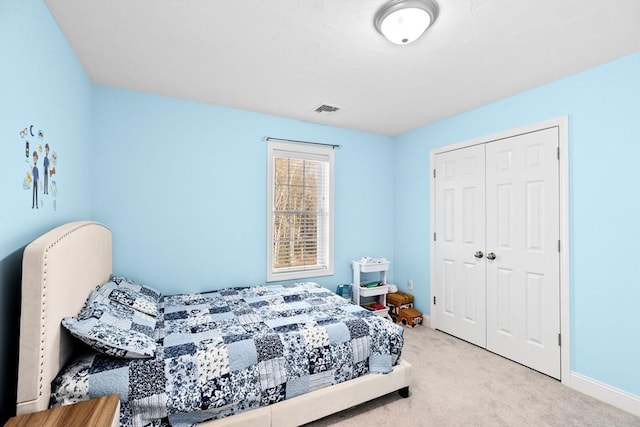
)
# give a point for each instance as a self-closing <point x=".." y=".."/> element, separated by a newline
<point x="496" y="247"/>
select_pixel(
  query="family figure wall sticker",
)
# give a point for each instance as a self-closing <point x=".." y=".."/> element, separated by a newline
<point x="41" y="175"/>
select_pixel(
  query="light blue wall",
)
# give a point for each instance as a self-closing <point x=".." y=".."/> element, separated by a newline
<point x="183" y="187"/>
<point x="603" y="105"/>
<point x="41" y="83"/>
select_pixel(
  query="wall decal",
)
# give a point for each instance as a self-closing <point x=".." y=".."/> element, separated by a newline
<point x="36" y="181"/>
<point x="41" y="167"/>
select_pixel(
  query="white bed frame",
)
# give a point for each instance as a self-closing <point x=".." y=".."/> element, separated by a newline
<point x="62" y="266"/>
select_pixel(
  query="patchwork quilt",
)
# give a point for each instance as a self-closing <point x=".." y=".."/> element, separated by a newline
<point x="228" y="351"/>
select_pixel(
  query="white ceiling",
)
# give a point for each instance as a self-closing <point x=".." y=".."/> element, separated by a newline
<point x="286" y="57"/>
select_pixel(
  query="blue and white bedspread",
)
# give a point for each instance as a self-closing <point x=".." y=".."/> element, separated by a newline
<point x="228" y="351"/>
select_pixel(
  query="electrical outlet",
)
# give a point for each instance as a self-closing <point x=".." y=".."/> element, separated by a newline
<point x="410" y="285"/>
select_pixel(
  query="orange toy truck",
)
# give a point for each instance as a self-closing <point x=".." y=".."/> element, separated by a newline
<point x="401" y="309"/>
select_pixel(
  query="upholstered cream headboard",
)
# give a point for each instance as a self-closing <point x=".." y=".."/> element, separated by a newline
<point x="58" y="271"/>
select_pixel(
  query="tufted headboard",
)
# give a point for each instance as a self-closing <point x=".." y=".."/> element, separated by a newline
<point x="58" y="271"/>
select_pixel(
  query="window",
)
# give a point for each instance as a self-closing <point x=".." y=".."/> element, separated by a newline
<point x="300" y="211"/>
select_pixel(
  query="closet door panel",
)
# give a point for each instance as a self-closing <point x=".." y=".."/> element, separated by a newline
<point x="460" y="231"/>
<point x="522" y="191"/>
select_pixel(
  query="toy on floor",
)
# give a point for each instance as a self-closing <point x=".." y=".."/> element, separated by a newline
<point x="401" y="309"/>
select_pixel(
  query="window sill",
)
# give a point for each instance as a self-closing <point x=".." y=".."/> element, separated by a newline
<point x="295" y="275"/>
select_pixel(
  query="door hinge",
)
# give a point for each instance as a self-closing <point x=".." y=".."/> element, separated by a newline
<point x="434" y="300"/>
<point x="558" y="245"/>
<point x="434" y="237"/>
<point x="434" y="173"/>
<point x="558" y="151"/>
<point x="559" y="339"/>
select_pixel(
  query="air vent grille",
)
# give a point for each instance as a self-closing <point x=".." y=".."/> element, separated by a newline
<point x="326" y="108"/>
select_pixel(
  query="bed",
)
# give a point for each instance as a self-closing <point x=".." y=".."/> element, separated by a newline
<point x="64" y="265"/>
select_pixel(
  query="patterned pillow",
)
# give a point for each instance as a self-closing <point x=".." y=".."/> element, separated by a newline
<point x="135" y="300"/>
<point x="120" y="316"/>
<point x="111" y="292"/>
<point x="110" y="339"/>
<point x="124" y="282"/>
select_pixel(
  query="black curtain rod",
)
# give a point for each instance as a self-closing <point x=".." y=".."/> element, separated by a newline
<point x="268" y="138"/>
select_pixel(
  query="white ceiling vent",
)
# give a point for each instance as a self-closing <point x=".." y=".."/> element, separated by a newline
<point x="326" y="109"/>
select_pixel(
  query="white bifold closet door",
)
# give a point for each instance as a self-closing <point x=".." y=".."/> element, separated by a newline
<point x="497" y="260"/>
<point x="523" y="229"/>
<point x="460" y="230"/>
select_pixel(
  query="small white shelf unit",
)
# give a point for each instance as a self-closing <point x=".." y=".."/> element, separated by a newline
<point x="380" y="292"/>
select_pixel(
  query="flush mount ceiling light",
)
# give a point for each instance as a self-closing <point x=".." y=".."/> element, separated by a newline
<point x="403" y="21"/>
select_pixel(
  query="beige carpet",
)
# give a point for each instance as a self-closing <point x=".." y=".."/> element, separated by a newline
<point x="458" y="384"/>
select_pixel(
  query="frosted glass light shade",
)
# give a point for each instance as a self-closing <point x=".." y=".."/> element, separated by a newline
<point x="404" y="21"/>
<point x="405" y="25"/>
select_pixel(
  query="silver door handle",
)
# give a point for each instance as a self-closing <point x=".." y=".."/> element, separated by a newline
<point x="491" y="256"/>
<point x="478" y="254"/>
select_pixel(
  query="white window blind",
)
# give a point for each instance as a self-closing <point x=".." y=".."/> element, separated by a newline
<point x="300" y="223"/>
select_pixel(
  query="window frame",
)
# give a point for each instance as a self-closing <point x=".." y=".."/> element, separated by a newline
<point x="299" y="151"/>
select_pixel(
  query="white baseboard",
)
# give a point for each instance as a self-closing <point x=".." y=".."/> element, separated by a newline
<point x="426" y="320"/>
<point x="604" y="392"/>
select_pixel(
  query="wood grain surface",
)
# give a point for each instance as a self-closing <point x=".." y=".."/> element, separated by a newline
<point x="98" y="412"/>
